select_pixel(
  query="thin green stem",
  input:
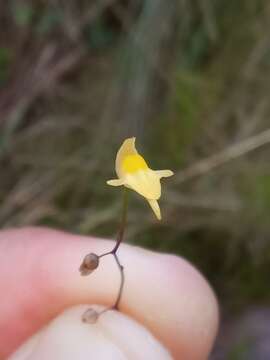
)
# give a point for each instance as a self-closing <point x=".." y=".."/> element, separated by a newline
<point x="122" y="226"/>
<point x="123" y="221"/>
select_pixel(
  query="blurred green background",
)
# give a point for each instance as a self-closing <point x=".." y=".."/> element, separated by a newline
<point x="190" y="79"/>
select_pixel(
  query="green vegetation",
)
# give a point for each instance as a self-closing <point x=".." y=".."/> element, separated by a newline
<point x="76" y="79"/>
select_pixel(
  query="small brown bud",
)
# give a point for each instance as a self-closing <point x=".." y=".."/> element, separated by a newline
<point x="89" y="264"/>
<point x="90" y="316"/>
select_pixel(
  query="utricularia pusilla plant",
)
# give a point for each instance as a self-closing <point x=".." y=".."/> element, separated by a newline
<point x="133" y="173"/>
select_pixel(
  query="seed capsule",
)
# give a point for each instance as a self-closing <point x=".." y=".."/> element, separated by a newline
<point x="89" y="264"/>
<point x="90" y="316"/>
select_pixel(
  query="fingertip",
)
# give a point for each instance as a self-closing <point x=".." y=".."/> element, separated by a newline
<point x="195" y="307"/>
<point x="176" y="303"/>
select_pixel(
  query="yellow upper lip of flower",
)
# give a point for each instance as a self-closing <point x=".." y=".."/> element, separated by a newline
<point x="133" y="163"/>
<point x="133" y="172"/>
<point x="127" y="157"/>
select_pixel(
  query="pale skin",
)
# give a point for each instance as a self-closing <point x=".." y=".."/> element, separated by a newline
<point x="167" y="306"/>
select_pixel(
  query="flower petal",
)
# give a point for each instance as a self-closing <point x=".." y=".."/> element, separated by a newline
<point x="145" y="182"/>
<point x="116" y="182"/>
<point x="155" y="207"/>
<point x="164" y="173"/>
<point x="127" y="148"/>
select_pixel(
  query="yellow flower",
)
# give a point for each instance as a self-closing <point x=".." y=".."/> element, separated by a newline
<point x="134" y="173"/>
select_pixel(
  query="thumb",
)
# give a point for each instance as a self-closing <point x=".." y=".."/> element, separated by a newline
<point x="113" y="336"/>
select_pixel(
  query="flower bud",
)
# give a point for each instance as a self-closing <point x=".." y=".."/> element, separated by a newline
<point x="89" y="264"/>
<point x="90" y="316"/>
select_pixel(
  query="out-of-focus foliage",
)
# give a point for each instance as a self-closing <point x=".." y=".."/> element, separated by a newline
<point x="188" y="78"/>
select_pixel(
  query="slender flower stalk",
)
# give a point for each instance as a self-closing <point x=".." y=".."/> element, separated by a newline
<point x="91" y="261"/>
<point x="113" y="252"/>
